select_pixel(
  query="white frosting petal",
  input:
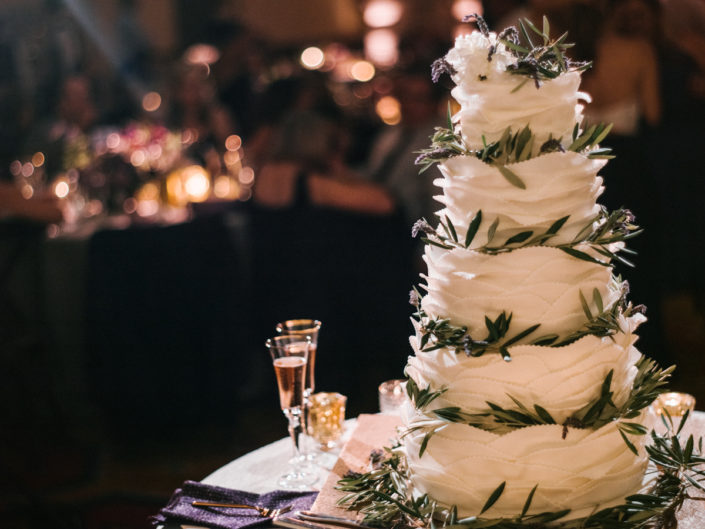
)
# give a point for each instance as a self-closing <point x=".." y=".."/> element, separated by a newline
<point x="557" y="185"/>
<point x="560" y="379"/>
<point x="463" y="465"/>
<point x="537" y="284"/>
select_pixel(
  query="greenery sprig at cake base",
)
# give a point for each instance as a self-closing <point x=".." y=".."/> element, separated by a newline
<point x="519" y="188"/>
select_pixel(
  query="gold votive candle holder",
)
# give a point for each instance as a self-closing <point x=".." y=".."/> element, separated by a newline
<point x="326" y="418"/>
<point x="674" y="403"/>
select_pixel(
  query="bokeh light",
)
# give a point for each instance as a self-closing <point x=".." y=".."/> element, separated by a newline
<point x="233" y="142"/>
<point x="16" y="168"/>
<point x="247" y="176"/>
<point x="201" y="54"/>
<point x="151" y="101"/>
<point x="225" y="187"/>
<point x="112" y="142"/>
<point x="27" y="169"/>
<point x="388" y="109"/>
<point x="61" y="188"/>
<point x="362" y="71"/>
<point x="463" y="8"/>
<point x="382" y="13"/>
<point x="196" y="183"/>
<point x="381" y="47"/>
<point x="312" y="58"/>
<point x="38" y="159"/>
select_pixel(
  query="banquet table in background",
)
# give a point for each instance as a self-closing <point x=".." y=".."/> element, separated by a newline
<point x="160" y="324"/>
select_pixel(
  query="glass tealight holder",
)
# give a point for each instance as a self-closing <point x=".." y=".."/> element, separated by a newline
<point x="674" y="403"/>
<point x="392" y="396"/>
<point x="326" y="419"/>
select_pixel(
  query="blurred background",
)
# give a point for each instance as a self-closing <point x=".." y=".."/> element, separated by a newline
<point x="176" y="177"/>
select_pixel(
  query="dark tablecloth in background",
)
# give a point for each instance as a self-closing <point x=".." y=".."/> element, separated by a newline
<point x="159" y="326"/>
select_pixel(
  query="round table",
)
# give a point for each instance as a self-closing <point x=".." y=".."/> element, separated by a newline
<point x="259" y="470"/>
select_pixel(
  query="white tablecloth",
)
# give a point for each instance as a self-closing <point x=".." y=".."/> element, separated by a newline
<point x="260" y="470"/>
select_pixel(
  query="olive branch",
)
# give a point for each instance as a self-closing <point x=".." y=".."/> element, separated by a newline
<point x="604" y="233"/>
<point x="512" y="147"/>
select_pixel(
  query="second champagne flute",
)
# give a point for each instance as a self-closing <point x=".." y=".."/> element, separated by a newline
<point x="303" y="328"/>
<point x="289" y="358"/>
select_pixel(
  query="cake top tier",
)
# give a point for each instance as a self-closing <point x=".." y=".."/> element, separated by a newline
<point x="502" y="83"/>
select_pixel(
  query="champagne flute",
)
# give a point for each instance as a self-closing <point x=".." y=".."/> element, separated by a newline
<point x="301" y="328"/>
<point x="289" y="357"/>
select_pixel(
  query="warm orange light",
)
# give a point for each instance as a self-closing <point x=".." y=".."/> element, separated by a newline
<point x="362" y="71"/>
<point x="196" y="183"/>
<point x="190" y="184"/>
<point x="233" y="142"/>
<point x="312" y="58"/>
<point x="382" y="13"/>
<point x="38" y="159"/>
<point x="151" y="101"/>
<point x="389" y="110"/>
<point x="149" y="191"/>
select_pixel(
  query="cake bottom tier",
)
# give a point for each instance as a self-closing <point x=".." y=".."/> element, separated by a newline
<point x="588" y="470"/>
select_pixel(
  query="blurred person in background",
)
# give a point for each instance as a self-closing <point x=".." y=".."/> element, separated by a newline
<point x="196" y="107"/>
<point x="676" y="157"/>
<point x="238" y="72"/>
<point x="305" y="167"/>
<point x="391" y="162"/>
<point x="75" y="115"/>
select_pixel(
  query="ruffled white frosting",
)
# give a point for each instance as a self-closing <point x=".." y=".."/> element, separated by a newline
<point x="537" y="284"/>
<point x="560" y="379"/>
<point x="491" y="105"/>
<point x="463" y="465"/>
<point x="557" y="185"/>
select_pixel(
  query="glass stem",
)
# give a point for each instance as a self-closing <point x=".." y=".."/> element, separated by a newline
<point x="295" y="431"/>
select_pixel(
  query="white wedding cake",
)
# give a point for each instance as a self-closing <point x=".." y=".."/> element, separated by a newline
<point x="524" y="375"/>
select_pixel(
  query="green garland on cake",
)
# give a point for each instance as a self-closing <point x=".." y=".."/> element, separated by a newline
<point x="437" y="332"/>
<point x="512" y="147"/>
<point x="600" y="234"/>
<point x="384" y="498"/>
<point x="648" y="384"/>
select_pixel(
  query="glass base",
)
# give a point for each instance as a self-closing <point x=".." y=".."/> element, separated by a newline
<point x="297" y="480"/>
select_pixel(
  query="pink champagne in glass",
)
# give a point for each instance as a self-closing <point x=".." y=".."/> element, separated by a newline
<point x="302" y="328"/>
<point x="290" y="371"/>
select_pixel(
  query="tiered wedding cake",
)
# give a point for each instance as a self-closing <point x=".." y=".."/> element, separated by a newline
<point x="524" y="374"/>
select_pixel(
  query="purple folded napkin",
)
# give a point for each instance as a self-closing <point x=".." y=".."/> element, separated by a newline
<point x="180" y="510"/>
